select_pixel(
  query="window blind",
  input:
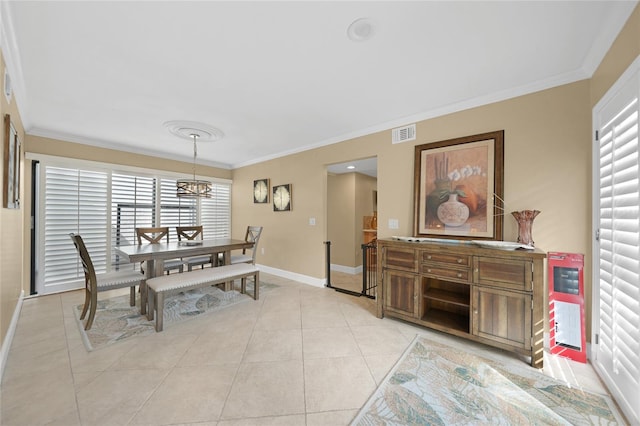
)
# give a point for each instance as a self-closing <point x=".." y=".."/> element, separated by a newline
<point x="75" y="201"/>
<point x="619" y="247"/>
<point x="174" y="210"/>
<point x="216" y="212"/>
<point x="132" y="206"/>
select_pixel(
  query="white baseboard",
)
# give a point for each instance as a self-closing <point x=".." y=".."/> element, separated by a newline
<point x="6" y="343"/>
<point x="316" y="282"/>
<point x="352" y="270"/>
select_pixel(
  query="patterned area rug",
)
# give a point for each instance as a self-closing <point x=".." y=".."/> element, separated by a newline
<point x="116" y="321"/>
<point x="435" y="384"/>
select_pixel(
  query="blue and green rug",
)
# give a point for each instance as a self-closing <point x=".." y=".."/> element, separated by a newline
<point x="116" y="321"/>
<point x="435" y="384"/>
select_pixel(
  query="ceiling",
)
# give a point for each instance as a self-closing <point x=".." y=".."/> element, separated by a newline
<point x="282" y="77"/>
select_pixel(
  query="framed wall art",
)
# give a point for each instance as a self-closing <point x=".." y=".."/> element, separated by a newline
<point x="11" y="178"/>
<point x="261" y="191"/>
<point x="458" y="188"/>
<point x="282" y="198"/>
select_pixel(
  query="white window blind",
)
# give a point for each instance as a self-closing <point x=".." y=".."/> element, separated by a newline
<point x="617" y="274"/>
<point x="132" y="206"/>
<point x="174" y="210"/>
<point x="620" y="240"/>
<point x="105" y="206"/>
<point x="215" y="212"/>
<point x="75" y="201"/>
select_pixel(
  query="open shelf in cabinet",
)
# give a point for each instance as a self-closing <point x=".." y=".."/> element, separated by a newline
<point x="446" y="304"/>
<point x="446" y="320"/>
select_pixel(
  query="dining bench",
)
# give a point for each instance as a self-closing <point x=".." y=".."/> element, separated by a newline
<point x="159" y="287"/>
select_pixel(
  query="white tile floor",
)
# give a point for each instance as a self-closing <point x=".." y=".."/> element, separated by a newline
<point x="300" y="355"/>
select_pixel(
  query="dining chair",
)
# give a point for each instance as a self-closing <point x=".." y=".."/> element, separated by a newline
<point x="95" y="283"/>
<point x="155" y="235"/>
<point x="252" y="236"/>
<point x="193" y="233"/>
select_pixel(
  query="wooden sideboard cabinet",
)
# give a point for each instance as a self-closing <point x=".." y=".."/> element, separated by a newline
<point x="488" y="295"/>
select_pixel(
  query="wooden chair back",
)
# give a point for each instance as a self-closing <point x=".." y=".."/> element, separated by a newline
<point x="189" y="232"/>
<point x="153" y="235"/>
<point x="90" y="280"/>
<point x="253" y="236"/>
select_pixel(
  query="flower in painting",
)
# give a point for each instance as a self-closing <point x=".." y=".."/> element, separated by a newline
<point x="455" y="175"/>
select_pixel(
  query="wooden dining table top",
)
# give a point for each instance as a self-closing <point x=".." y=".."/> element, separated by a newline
<point x="145" y="252"/>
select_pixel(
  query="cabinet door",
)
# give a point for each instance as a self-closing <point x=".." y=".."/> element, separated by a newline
<point x="502" y="316"/>
<point x="401" y="292"/>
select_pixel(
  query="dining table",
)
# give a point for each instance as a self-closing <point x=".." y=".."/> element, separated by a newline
<point x="154" y="255"/>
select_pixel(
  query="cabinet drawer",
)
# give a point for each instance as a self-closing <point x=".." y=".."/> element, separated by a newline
<point x="453" y="259"/>
<point x="439" y="271"/>
<point x="399" y="258"/>
<point x="506" y="273"/>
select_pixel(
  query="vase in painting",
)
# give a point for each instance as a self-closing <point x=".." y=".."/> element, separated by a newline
<point x="452" y="212"/>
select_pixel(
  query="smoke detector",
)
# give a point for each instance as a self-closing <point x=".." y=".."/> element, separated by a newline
<point x="361" y="30"/>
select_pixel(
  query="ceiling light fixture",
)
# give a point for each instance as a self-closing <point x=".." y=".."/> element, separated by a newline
<point x="193" y="188"/>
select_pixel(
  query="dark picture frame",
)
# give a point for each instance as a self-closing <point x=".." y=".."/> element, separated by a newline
<point x="458" y="188"/>
<point x="11" y="178"/>
<point x="261" y="191"/>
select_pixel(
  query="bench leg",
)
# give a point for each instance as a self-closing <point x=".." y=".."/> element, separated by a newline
<point x="150" y="303"/>
<point x="159" y="310"/>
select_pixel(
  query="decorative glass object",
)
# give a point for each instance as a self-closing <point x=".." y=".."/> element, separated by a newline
<point x="525" y="224"/>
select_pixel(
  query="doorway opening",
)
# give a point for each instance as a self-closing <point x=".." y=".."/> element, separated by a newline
<point x="351" y="225"/>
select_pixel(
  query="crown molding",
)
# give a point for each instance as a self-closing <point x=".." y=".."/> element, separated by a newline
<point x="100" y="143"/>
<point x="527" y="89"/>
<point x="610" y="30"/>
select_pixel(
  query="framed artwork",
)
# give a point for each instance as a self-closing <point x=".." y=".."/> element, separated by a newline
<point x="458" y="188"/>
<point x="11" y="178"/>
<point x="261" y="191"/>
<point x="282" y="198"/>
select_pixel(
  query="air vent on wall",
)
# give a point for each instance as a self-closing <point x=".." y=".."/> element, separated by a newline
<point x="403" y="134"/>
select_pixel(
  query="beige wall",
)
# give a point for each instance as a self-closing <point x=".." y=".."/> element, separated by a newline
<point x="12" y="229"/>
<point x="341" y="218"/>
<point x="547" y="143"/>
<point x="623" y="52"/>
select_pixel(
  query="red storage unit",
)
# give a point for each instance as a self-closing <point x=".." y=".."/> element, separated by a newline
<point x="566" y="305"/>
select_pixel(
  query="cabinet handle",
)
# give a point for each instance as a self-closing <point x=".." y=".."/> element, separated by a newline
<point x="429" y="270"/>
<point x="429" y="257"/>
<point x="459" y="275"/>
<point x="459" y="260"/>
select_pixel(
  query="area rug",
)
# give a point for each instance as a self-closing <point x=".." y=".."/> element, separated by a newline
<point x="116" y="321"/>
<point x="435" y="384"/>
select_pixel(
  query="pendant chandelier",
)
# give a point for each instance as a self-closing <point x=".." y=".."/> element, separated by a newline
<point x="193" y="188"/>
<point x="194" y="131"/>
